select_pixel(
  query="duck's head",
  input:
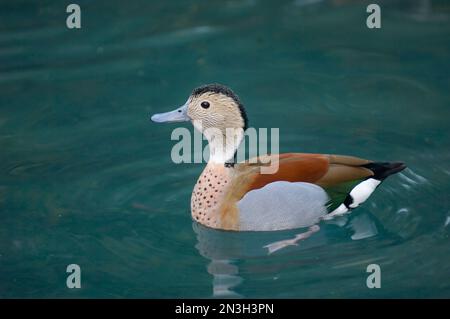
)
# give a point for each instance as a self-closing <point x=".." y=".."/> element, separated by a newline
<point x="213" y="105"/>
<point x="214" y="110"/>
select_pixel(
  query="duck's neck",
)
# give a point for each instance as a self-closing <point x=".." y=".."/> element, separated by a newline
<point x="223" y="144"/>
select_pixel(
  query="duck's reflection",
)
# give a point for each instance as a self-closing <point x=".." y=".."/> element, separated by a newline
<point x="225" y="249"/>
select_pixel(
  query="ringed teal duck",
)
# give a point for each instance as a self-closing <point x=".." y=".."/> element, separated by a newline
<point x="305" y="189"/>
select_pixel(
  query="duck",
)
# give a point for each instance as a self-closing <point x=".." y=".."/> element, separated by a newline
<point x="305" y="189"/>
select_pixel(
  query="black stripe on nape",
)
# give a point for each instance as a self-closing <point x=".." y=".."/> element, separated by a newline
<point x="233" y="161"/>
<point x="222" y="89"/>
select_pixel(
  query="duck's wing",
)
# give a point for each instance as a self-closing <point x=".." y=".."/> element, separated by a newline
<point x="320" y="169"/>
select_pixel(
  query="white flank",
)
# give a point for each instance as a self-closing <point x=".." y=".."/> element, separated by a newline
<point x="361" y="192"/>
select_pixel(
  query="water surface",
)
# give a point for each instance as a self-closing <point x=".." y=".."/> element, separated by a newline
<point x="86" y="179"/>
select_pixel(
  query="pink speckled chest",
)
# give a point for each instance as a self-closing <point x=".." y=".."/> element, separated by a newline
<point x="208" y="194"/>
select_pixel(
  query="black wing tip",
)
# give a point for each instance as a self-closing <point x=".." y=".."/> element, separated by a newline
<point x="382" y="170"/>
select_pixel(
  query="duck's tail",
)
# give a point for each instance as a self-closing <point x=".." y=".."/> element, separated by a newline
<point x="362" y="191"/>
<point x="382" y="170"/>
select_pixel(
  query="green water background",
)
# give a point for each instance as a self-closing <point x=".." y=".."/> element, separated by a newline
<point x="85" y="178"/>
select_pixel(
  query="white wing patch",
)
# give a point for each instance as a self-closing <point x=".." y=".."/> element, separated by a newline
<point x="282" y="205"/>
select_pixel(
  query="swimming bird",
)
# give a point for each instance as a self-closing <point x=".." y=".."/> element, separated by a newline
<point x="305" y="189"/>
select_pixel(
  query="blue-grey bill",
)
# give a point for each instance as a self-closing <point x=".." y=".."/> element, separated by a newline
<point x="178" y="115"/>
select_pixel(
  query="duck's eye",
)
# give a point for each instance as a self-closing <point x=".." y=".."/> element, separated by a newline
<point x="205" y="105"/>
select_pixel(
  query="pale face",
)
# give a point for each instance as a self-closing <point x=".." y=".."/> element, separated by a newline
<point x="214" y="110"/>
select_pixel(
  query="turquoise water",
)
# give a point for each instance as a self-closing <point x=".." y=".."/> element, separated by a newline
<point x="85" y="178"/>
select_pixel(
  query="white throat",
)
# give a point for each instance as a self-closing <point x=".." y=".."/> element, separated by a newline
<point x="223" y="144"/>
